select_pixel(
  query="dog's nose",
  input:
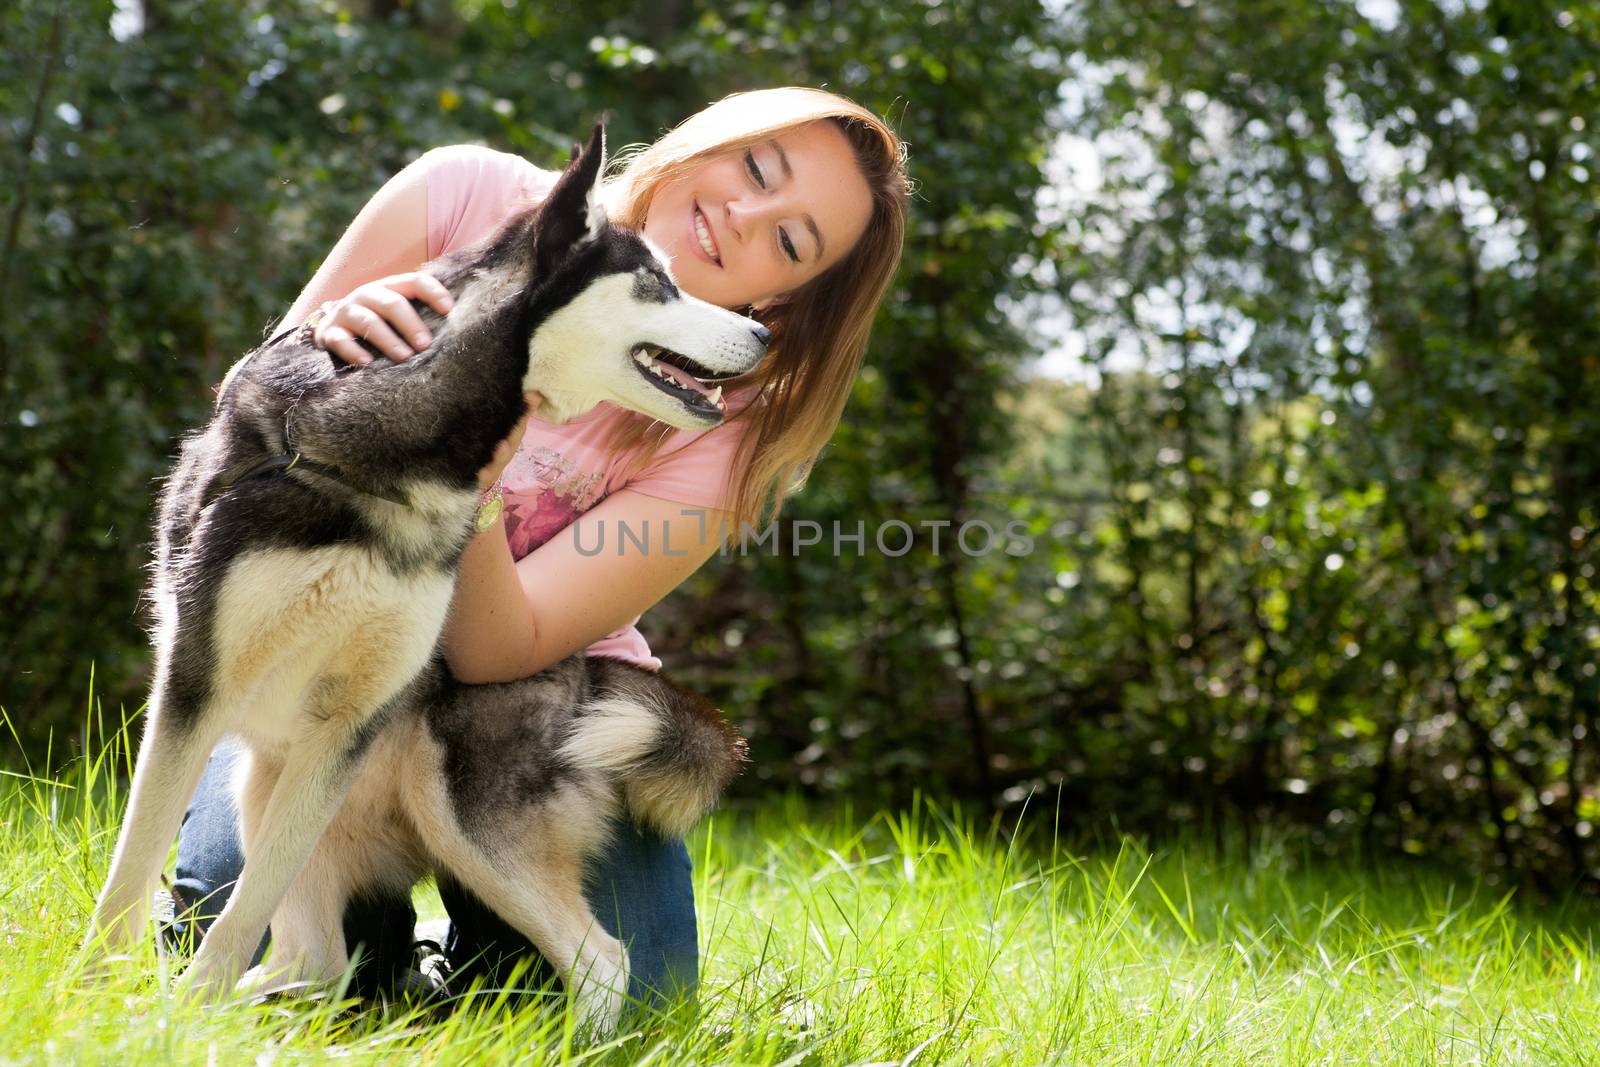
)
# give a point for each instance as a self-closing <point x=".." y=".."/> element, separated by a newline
<point x="763" y="334"/>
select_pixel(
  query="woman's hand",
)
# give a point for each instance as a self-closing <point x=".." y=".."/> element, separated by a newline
<point x="381" y="314"/>
<point x="508" y="448"/>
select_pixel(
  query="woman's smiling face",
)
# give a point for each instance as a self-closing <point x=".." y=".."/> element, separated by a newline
<point x="749" y="227"/>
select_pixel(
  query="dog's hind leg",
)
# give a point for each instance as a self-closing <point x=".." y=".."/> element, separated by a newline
<point x="172" y="755"/>
<point x="539" y="891"/>
<point x="307" y="930"/>
<point x="307" y="943"/>
<point x="314" y="778"/>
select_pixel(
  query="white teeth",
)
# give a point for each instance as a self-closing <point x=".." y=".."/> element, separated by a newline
<point x="650" y="365"/>
<point x="704" y="234"/>
<point x="642" y="359"/>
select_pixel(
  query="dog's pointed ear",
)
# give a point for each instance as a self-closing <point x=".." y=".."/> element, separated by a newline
<point x="573" y="212"/>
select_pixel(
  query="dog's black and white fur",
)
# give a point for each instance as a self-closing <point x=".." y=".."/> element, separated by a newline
<point x="307" y="546"/>
<point x="507" y="790"/>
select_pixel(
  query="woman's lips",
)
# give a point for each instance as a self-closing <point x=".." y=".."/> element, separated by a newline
<point x="697" y="220"/>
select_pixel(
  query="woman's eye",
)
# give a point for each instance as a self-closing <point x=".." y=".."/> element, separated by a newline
<point x="755" y="171"/>
<point x="788" y="246"/>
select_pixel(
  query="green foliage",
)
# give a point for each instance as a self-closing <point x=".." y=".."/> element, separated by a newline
<point x="1312" y="527"/>
<point x="1351" y="473"/>
<point x="311" y="107"/>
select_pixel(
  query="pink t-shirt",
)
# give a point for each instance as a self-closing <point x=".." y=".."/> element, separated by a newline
<point x="562" y="471"/>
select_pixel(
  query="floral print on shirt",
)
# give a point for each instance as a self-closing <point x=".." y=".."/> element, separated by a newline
<point x="545" y="491"/>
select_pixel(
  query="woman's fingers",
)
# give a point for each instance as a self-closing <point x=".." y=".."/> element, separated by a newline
<point x="401" y="320"/>
<point x="340" y="342"/>
<point x="381" y="314"/>
<point x="429" y="290"/>
<point x="393" y="299"/>
<point x="351" y="321"/>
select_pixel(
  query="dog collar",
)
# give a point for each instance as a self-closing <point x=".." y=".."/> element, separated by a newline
<point x="291" y="459"/>
<point x="284" y="462"/>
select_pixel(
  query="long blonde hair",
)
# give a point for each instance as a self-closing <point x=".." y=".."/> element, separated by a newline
<point x="819" y="332"/>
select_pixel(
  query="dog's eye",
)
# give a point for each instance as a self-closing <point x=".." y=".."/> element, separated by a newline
<point x="755" y="171"/>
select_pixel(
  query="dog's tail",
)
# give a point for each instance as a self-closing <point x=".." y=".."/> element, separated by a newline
<point x="669" y="750"/>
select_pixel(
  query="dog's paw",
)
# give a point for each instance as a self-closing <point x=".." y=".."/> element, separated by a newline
<point x="209" y="977"/>
<point x="109" y="944"/>
<point x="601" y="992"/>
<point x="262" y="983"/>
<point x="599" y="1009"/>
<point x="94" y="964"/>
<point x="120" y="922"/>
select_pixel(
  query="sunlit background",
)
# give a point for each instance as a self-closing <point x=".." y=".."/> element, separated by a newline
<point x="1274" y="325"/>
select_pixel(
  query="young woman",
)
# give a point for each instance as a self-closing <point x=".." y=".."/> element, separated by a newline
<point x="788" y="204"/>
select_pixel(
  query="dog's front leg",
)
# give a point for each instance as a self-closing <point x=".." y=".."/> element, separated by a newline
<point x="313" y="781"/>
<point x="178" y="738"/>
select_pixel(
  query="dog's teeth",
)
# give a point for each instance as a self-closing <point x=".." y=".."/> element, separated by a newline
<point x="642" y="359"/>
<point x="716" y="396"/>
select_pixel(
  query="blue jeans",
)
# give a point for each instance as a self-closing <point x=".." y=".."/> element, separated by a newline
<point x="639" y="889"/>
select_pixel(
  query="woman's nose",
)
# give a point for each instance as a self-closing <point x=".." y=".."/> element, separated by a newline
<point x="738" y="218"/>
<point x="744" y="215"/>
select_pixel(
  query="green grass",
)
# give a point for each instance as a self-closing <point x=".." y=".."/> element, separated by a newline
<point x="915" y="937"/>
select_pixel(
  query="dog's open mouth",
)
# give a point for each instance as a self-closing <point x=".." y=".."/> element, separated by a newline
<point x="679" y="376"/>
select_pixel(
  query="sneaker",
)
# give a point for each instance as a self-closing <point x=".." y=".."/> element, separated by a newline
<point x="429" y="976"/>
<point x="170" y="935"/>
<point x="164" y="907"/>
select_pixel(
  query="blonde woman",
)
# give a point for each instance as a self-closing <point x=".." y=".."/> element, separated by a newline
<point x="787" y="202"/>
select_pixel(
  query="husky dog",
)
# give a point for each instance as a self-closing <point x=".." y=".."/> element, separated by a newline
<point x="308" y="538"/>
<point x="507" y="790"/>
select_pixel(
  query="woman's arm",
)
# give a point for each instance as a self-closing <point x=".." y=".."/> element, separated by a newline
<point x="389" y="236"/>
<point x="508" y="619"/>
<point x="512" y="619"/>
<point x="371" y="274"/>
